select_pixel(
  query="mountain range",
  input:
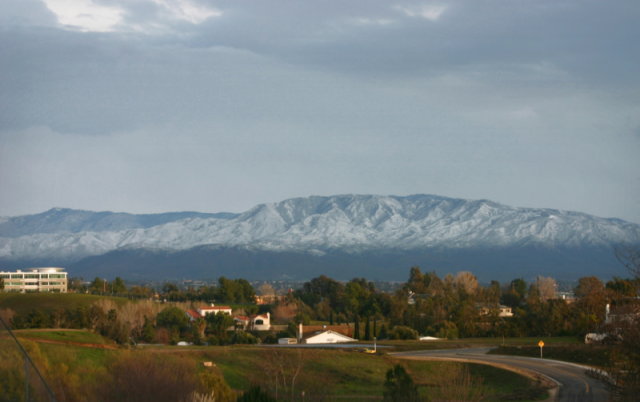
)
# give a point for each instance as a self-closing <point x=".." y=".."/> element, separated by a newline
<point x="377" y="237"/>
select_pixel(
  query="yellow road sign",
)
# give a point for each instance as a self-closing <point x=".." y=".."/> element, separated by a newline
<point x="541" y="344"/>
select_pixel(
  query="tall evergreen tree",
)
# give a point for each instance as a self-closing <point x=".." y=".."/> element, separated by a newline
<point x="367" y="329"/>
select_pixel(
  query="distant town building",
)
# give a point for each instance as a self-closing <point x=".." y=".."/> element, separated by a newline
<point x="45" y="279"/>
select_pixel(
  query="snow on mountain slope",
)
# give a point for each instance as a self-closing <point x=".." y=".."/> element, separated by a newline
<point x="348" y="222"/>
<point x="69" y="220"/>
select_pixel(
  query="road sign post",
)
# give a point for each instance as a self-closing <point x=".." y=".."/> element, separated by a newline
<point x="541" y="345"/>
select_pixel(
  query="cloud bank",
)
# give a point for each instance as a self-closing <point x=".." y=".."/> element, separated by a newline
<point x="154" y="105"/>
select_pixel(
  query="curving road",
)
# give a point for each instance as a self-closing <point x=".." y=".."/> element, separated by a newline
<point x="571" y="381"/>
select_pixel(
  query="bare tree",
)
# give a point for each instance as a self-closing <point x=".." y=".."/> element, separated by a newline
<point x="546" y="287"/>
<point x="467" y="281"/>
<point x="284" y="367"/>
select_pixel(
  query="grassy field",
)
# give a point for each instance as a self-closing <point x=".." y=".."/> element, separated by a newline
<point x="347" y="374"/>
<point x="324" y="374"/>
<point x="64" y="335"/>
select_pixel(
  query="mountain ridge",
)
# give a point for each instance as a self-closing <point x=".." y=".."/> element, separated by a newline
<point x="316" y="226"/>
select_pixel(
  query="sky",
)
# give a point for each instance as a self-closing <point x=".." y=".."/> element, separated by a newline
<point x="149" y="106"/>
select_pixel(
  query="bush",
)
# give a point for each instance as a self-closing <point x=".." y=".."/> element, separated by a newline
<point x="448" y="330"/>
<point x="403" y="332"/>
<point x="243" y="337"/>
<point x="256" y="394"/>
<point x="399" y="386"/>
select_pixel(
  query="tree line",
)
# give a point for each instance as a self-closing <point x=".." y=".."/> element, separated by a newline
<point x="458" y="306"/>
<point x="450" y="307"/>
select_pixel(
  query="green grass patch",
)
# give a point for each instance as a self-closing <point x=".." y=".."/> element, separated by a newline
<point x="64" y="335"/>
<point x="324" y="373"/>
<point x="345" y="374"/>
<point x="77" y="358"/>
<point x="505" y="385"/>
<point x="23" y="303"/>
<point x="469" y="381"/>
<point x="475" y="342"/>
<point x="593" y="355"/>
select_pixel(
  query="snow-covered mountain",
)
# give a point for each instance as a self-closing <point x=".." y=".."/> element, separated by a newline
<point x="317" y="225"/>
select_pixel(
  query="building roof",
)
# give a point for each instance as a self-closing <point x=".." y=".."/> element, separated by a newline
<point x="309" y="330"/>
<point x="343" y="337"/>
<point x="214" y="308"/>
<point x="193" y="314"/>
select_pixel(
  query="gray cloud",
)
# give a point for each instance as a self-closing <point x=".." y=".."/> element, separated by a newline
<point x="525" y="103"/>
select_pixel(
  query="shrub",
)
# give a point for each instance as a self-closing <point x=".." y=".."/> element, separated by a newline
<point x="399" y="386"/>
<point x="403" y="332"/>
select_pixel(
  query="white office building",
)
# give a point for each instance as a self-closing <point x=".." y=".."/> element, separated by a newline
<point x="46" y="279"/>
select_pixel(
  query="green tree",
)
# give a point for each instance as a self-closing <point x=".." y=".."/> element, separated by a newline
<point x="235" y="291"/>
<point x="418" y="282"/>
<point x="621" y="288"/>
<point x="591" y="300"/>
<point x="76" y="284"/>
<point x="403" y="332"/>
<point x="148" y="330"/>
<point x="514" y="295"/>
<point x="218" y="325"/>
<point x="356" y="327"/>
<point x="399" y="386"/>
<point x="169" y="287"/>
<point x="118" y="286"/>
<point x="98" y="286"/>
<point x="173" y="319"/>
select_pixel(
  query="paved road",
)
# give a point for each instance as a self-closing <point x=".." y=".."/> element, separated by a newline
<point x="572" y="383"/>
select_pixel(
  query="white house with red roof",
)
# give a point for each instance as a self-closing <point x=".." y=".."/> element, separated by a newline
<point x="213" y="309"/>
<point x="260" y="322"/>
<point x="201" y="312"/>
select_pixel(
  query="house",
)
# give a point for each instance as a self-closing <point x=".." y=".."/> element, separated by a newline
<point x="327" y="336"/>
<point x="213" y="309"/>
<point x="617" y="318"/>
<point x="193" y="315"/>
<point x="260" y="322"/>
<point x="201" y="312"/>
<point x="502" y="310"/>
<point x="324" y="334"/>
<point x="626" y="313"/>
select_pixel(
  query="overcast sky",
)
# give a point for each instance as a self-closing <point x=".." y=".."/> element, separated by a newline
<point x="167" y="105"/>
